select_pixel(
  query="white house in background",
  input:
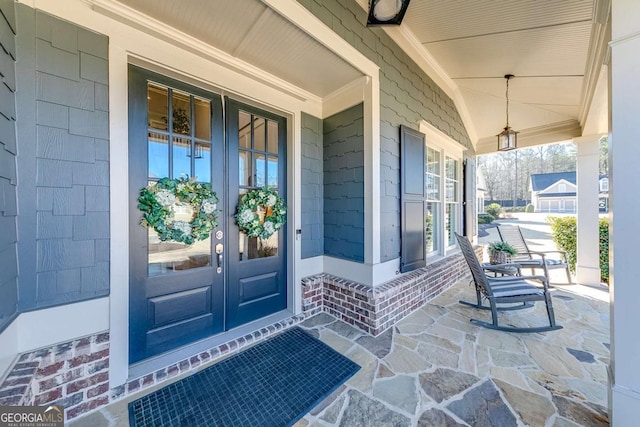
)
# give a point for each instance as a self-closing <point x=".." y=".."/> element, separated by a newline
<point x="554" y="192"/>
<point x="603" y="201"/>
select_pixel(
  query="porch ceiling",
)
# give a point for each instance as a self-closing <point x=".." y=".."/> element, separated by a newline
<point x="252" y="32"/>
<point x="554" y="48"/>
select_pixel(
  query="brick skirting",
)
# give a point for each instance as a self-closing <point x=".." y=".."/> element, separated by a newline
<point x="74" y="374"/>
<point x="374" y="310"/>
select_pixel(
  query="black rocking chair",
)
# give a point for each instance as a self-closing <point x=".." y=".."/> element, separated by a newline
<point x="506" y="290"/>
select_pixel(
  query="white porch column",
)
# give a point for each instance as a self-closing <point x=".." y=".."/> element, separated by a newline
<point x="588" y="259"/>
<point x="624" y="213"/>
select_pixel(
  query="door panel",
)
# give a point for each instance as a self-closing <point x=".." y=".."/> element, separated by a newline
<point x="176" y="295"/>
<point x="256" y="143"/>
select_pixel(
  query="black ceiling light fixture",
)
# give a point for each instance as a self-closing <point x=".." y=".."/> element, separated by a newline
<point x="508" y="138"/>
<point x="386" y="12"/>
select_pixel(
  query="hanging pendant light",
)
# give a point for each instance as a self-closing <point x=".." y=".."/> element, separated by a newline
<point x="386" y="12"/>
<point x="508" y="138"/>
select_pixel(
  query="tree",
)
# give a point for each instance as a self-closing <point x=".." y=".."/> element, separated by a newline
<point x="604" y="155"/>
<point x="505" y="181"/>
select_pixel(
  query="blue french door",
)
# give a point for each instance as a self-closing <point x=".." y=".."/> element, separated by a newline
<point x="181" y="293"/>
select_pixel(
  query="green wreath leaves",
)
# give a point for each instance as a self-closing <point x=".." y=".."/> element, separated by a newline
<point x="261" y="213"/>
<point x="159" y="201"/>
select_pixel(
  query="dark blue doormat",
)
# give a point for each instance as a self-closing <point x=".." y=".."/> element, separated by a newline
<point x="274" y="383"/>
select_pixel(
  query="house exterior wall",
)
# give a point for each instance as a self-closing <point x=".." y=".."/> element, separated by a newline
<point x="8" y="175"/>
<point x="555" y="188"/>
<point x="63" y="166"/>
<point x="407" y="96"/>
<point x="312" y="204"/>
<point x="343" y="156"/>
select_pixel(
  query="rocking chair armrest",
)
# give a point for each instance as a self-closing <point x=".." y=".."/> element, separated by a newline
<point x="509" y="279"/>
<point x="563" y="253"/>
<point x="541" y="254"/>
<point x="506" y="265"/>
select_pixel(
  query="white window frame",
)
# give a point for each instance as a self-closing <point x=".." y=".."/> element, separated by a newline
<point x="447" y="147"/>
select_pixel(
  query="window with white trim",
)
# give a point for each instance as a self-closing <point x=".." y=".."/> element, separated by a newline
<point x="604" y="184"/>
<point x="443" y="191"/>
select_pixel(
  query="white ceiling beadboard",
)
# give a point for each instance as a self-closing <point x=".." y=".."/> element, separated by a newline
<point x="546" y="44"/>
<point x="252" y="32"/>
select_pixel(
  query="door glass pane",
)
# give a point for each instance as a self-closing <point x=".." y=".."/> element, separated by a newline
<point x="181" y="157"/>
<point x="181" y="113"/>
<point x="158" y="100"/>
<point x="260" y="170"/>
<point x="272" y="136"/>
<point x="244" y="168"/>
<point x="259" y="133"/>
<point x="244" y="130"/>
<point x="254" y="247"/>
<point x="167" y="257"/>
<point x="202" y="167"/>
<point x="203" y="118"/>
<point x="158" y="155"/>
<point x="272" y="172"/>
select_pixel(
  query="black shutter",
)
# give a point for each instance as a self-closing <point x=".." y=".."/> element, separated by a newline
<point x="412" y="207"/>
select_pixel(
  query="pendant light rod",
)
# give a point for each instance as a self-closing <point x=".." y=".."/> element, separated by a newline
<point x="508" y="77"/>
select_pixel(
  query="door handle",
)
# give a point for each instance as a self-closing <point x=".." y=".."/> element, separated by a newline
<point x="219" y="256"/>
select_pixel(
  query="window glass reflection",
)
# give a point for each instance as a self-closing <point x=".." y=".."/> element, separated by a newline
<point x="158" y="155"/>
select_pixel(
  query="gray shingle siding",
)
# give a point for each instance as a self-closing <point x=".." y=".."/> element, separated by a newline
<point x="64" y="164"/>
<point x="8" y="181"/>
<point x="311" y="187"/>
<point x="343" y="165"/>
<point x="407" y="96"/>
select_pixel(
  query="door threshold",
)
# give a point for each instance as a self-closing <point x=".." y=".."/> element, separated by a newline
<point x="155" y="363"/>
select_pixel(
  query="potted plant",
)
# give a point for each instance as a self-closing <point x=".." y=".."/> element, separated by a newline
<point x="501" y="252"/>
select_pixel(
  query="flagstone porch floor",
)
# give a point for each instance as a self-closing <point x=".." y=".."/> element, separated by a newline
<point x="435" y="368"/>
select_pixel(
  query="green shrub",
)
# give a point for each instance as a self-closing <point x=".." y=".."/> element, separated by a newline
<point x="485" y="218"/>
<point x="604" y="249"/>
<point x="530" y="208"/>
<point x="564" y="234"/>
<point x="494" y="210"/>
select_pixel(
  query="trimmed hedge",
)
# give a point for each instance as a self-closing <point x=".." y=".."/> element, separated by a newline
<point x="564" y="234"/>
<point x="484" y="218"/>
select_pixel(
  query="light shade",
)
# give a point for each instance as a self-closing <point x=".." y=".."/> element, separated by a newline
<point x="507" y="139"/>
<point x="386" y="12"/>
